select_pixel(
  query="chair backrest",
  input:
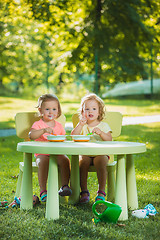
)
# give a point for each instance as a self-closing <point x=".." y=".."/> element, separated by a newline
<point x="114" y="120"/>
<point x="24" y="121"/>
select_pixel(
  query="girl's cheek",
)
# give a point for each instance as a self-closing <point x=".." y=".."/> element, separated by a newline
<point x="86" y="114"/>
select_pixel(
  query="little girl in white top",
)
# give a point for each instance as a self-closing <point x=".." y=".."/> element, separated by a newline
<point x="92" y="112"/>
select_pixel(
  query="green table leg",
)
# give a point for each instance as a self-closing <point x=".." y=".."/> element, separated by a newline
<point x="121" y="193"/>
<point x="75" y="180"/>
<point x="52" y="206"/>
<point x="111" y="182"/>
<point x="26" y="198"/>
<point x="131" y="183"/>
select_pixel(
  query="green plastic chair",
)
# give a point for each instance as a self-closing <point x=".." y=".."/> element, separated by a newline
<point x="23" y="123"/>
<point x="114" y="120"/>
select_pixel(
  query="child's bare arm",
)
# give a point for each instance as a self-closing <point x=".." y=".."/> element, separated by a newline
<point x="34" y="134"/>
<point x="78" y="128"/>
<point x="105" y="136"/>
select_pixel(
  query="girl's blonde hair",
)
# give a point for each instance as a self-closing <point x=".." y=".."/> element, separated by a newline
<point x="92" y="96"/>
<point x="49" y="97"/>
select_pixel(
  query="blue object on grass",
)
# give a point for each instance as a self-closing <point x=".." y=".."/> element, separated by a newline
<point x="151" y="209"/>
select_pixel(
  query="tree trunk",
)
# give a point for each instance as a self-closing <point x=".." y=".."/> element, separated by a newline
<point x="97" y="62"/>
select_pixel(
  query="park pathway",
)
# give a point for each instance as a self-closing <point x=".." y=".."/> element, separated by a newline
<point x="69" y="126"/>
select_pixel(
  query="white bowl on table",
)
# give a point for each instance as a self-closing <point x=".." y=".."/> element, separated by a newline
<point x="80" y="138"/>
<point x="56" y="138"/>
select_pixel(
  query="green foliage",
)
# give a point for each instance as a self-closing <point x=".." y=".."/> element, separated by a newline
<point x="53" y="42"/>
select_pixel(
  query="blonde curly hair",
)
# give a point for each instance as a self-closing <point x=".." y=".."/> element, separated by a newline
<point x="93" y="96"/>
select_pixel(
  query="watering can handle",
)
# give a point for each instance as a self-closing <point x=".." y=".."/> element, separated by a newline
<point x="108" y="204"/>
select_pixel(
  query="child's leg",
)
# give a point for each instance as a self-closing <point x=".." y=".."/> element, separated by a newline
<point x="64" y="166"/>
<point x="100" y="163"/>
<point x="43" y="166"/>
<point x="84" y="163"/>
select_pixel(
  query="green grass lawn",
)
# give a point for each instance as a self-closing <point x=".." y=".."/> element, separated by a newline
<point x="10" y="106"/>
<point x="75" y="222"/>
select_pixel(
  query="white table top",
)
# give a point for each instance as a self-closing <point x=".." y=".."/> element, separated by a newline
<point x="82" y="148"/>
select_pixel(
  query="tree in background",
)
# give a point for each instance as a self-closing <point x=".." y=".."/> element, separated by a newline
<point x="55" y="42"/>
<point x="115" y="40"/>
<point x="20" y="58"/>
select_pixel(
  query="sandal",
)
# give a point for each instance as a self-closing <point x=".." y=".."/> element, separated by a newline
<point x="84" y="199"/>
<point x="43" y="196"/>
<point x="15" y="203"/>
<point x="100" y="197"/>
<point x="35" y="200"/>
<point x="65" y="191"/>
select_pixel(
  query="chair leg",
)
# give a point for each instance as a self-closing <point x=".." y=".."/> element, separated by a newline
<point x="19" y="184"/>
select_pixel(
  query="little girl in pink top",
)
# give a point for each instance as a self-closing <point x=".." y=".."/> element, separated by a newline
<point x="49" y="109"/>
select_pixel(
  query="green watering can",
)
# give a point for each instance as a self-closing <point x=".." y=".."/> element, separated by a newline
<point x="110" y="214"/>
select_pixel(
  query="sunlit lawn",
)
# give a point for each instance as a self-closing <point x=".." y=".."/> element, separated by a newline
<point x="10" y="106"/>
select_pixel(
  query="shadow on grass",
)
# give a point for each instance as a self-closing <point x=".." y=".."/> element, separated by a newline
<point x="131" y="102"/>
<point x="9" y="124"/>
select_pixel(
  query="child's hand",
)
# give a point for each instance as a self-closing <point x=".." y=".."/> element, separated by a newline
<point x="83" y="121"/>
<point x="48" y="130"/>
<point x="104" y="136"/>
<point x="97" y="131"/>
